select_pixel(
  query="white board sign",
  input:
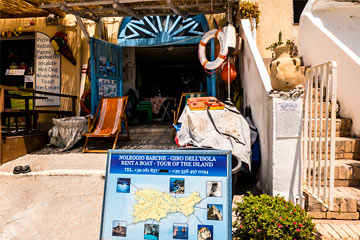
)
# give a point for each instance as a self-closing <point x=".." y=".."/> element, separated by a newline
<point x="15" y="72"/>
<point x="29" y="78"/>
<point x="47" y="71"/>
<point x="288" y="119"/>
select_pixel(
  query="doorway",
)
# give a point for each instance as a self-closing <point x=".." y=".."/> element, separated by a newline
<point x="168" y="71"/>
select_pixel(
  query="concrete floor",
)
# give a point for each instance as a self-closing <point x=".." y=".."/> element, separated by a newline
<point x="62" y="197"/>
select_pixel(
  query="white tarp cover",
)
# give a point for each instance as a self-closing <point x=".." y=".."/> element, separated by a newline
<point x="198" y="130"/>
<point x="67" y="131"/>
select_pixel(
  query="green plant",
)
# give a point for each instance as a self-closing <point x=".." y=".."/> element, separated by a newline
<point x="249" y="10"/>
<point x="290" y="43"/>
<point x="266" y="217"/>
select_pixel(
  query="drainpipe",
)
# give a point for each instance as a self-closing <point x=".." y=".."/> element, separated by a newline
<point x="78" y="68"/>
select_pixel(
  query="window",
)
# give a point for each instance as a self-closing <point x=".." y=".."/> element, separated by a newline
<point x="17" y="53"/>
<point x="298" y="7"/>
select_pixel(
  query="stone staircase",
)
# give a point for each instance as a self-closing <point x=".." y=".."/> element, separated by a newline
<point x="347" y="173"/>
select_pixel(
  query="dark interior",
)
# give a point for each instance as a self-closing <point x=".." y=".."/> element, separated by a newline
<point x="169" y="71"/>
<point x="17" y="53"/>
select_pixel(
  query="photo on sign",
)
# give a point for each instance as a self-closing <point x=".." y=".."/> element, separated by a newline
<point x="213" y="189"/>
<point x="107" y="88"/>
<point x="123" y="185"/>
<point x="205" y="232"/>
<point x="151" y="231"/>
<point x="180" y="231"/>
<point x="177" y="185"/>
<point x="215" y="212"/>
<point x="119" y="228"/>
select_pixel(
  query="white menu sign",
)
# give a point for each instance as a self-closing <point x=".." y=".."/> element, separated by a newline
<point x="288" y="119"/>
<point x="47" y="71"/>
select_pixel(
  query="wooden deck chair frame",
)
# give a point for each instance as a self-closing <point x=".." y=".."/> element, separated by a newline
<point x="92" y="125"/>
<point x="183" y="96"/>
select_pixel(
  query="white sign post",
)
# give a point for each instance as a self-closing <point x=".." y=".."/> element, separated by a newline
<point x="47" y="71"/>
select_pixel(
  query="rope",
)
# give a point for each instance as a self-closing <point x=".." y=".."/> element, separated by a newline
<point x="217" y="130"/>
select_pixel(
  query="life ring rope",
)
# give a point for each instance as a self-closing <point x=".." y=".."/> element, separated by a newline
<point x="83" y="99"/>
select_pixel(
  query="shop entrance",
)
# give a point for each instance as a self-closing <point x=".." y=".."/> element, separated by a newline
<point x="165" y="56"/>
<point x="168" y="71"/>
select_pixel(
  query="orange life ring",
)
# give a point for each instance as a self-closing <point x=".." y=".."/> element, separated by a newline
<point x="220" y="36"/>
<point x="82" y="101"/>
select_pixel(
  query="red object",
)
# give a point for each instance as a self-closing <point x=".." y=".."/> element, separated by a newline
<point x="197" y="106"/>
<point x="66" y="52"/>
<point x="201" y="99"/>
<point x="82" y="101"/>
<point x="225" y="74"/>
<point x="177" y="140"/>
<point x="62" y="35"/>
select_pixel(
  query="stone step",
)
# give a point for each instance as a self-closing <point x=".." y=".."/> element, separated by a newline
<point x="346" y="204"/>
<point x="325" y="111"/>
<point x="346" y="173"/>
<point x="150" y="129"/>
<point x="345" y="147"/>
<point x="343" y="127"/>
<point x="338" y="156"/>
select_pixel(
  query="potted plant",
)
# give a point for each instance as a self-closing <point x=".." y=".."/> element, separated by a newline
<point x="267" y="217"/>
<point x="277" y="48"/>
<point x="248" y="10"/>
<point x="285" y="66"/>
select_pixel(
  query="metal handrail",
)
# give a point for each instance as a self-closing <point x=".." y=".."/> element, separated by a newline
<point x="318" y="79"/>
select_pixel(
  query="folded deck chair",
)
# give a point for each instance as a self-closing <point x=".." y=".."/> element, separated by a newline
<point x="183" y="101"/>
<point x="108" y="118"/>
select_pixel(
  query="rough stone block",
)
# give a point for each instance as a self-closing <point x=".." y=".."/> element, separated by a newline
<point x="340" y="147"/>
<point x="318" y="214"/>
<point x="348" y="155"/>
<point x="341" y="203"/>
<point x="351" y="205"/>
<point x="357" y="146"/>
<point x="314" y="206"/>
<point x="342" y="173"/>
<point x="349" y="147"/>
<point x="345" y="216"/>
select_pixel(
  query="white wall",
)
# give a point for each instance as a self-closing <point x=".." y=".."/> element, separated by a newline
<point x="280" y="163"/>
<point x="344" y="24"/>
<point x="256" y="96"/>
<point x="331" y="32"/>
<point x="286" y="151"/>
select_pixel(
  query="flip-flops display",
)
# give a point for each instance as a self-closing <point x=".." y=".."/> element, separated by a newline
<point x="22" y="169"/>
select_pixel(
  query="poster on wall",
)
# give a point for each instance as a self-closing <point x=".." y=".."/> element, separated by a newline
<point x="167" y="194"/>
<point x="288" y="119"/>
<point x="47" y="71"/>
<point x="107" y="88"/>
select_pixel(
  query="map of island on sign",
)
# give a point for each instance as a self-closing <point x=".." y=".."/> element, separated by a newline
<point x="154" y="204"/>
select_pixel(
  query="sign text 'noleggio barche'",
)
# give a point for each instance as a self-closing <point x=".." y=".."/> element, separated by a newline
<point x="167" y="194"/>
